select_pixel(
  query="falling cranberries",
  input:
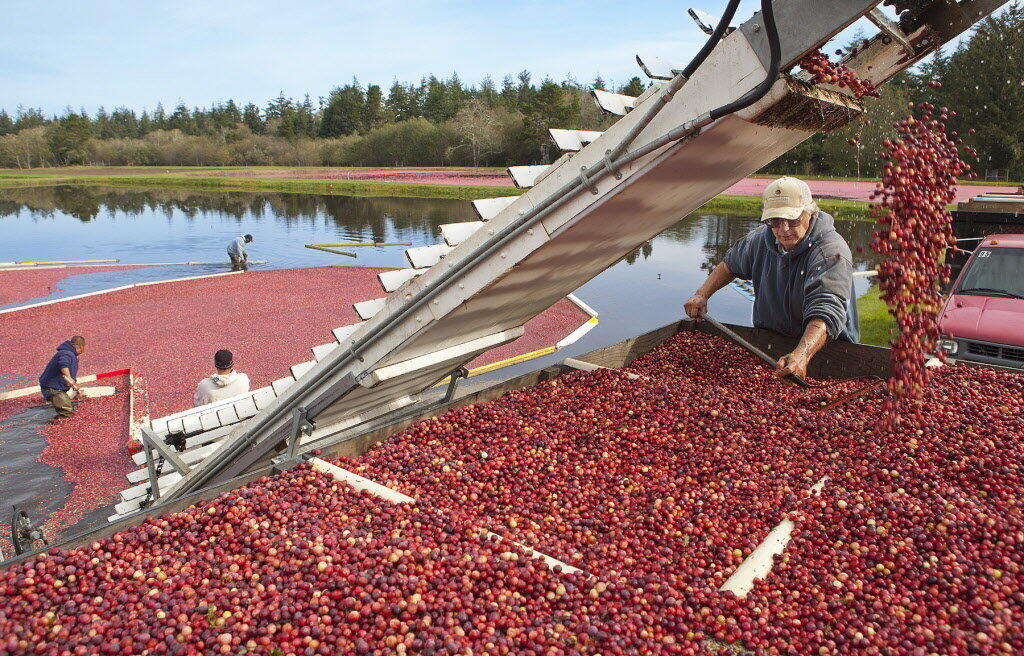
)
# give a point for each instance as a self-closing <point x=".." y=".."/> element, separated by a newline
<point x="922" y="164"/>
<point x="824" y="71"/>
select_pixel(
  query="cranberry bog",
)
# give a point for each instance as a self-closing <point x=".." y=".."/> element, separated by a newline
<point x="662" y="495"/>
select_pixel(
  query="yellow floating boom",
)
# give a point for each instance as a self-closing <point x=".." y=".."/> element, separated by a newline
<point x="327" y="249"/>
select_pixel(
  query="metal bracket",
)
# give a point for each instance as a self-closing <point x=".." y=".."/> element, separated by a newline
<point x="891" y="29"/>
<point x="610" y="167"/>
<point x="150" y="439"/>
<point x="453" y="382"/>
<point x="301" y="425"/>
<point x="587" y="182"/>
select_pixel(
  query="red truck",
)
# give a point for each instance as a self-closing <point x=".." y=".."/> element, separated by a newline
<point x="983" y="319"/>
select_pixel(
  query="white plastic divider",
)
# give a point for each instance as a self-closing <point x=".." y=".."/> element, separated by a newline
<point x="322" y="351"/>
<point x="527" y="176"/>
<point x="434" y="358"/>
<point x="613" y="103"/>
<point x="488" y="208"/>
<point x="456" y="233"/>
<point x="582" y="330"/>
<point x="759" y="563"/>
<point x="392" y="280"/>
<point x="366" y="309"/>
<point x="343" y="333"/>
<point x="422" y="257"/>
<point x="299" y="370"/>
<point x="194" y="442"/>
<point x="548" y="560"/>
<point x="573" y="140"/>
<point x="281" y="384"/>
<point x="376" y="489"/>
<point x="263" y="397"/>
<point x="97" y="391"/>
<point x="589" y="366"/>
<point x="360" y="483"/>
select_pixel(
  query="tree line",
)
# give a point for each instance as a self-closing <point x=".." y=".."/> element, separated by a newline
<point x="439" y="122"/>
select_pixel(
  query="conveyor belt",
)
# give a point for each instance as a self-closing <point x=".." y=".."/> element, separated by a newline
<point x="581" y="215"/>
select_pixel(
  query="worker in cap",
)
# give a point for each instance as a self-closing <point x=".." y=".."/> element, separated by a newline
<point x="236" y="251"/>
<point x="224" y="384"/>
<point x="802" y="273"/>
<point x="59" y="380"/>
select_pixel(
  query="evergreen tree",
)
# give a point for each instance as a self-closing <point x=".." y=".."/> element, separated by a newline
<point x="181" y="119"/>
<point x="159" y="117"/>
<point x="634" y="87"/>
<point x="509" y="94"/>
<point x="67" y="138"/>
<point x="344" y="112"/>
<point x="124" y="124"/>
<point x="231" y="113"/>
<point x="373" y="113"/>
<point x="6" y="123"/>
<point x="101" y="124"/>
<point x="25" y="118"/>
<point x="253" y="121"/>
<point x="400" y="105"/>
<point x="488" y="92"/>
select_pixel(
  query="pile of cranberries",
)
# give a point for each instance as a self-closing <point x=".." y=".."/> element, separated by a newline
<point x="825" y="71"/>
<point x="922" y="164"/>
<point x="657" y="488"/>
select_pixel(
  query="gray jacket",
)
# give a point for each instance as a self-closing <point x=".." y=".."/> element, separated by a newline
<point x="815" y="279"/>
<point x="236" y="248"/>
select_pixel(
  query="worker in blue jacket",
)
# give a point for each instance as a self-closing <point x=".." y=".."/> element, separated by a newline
<point x="59" y="381"/>
<point x="802" y="273"/>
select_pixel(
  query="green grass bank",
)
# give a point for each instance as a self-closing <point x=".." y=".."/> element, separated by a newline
<point x="721" y="205"/>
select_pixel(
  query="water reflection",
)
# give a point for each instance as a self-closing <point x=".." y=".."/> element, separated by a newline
<point x="133" y="225"/>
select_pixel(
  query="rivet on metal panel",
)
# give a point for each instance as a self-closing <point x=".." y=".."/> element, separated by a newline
<point x="461" y="286"/>
<point x="530" y="231"/>
<point x="757" y="27"/>
<point x="436" y="301"/>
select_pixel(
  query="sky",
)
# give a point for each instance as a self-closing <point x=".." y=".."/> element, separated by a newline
<point x="111" y="53"/>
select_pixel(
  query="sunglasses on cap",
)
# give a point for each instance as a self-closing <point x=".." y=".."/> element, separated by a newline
<point x="777" y="222"/>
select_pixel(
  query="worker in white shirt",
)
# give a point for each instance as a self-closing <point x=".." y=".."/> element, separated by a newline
<point x="224" y="384"/>
<point x="236" y="251"/>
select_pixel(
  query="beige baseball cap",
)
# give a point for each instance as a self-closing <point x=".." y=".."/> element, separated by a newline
<point x="786" y="198"/>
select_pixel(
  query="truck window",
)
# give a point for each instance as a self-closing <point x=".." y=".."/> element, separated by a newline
<point x="994" y="270"/>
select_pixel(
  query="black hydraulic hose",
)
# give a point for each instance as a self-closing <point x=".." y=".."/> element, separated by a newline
<point x="678" y="81"/>
<point x="716" y="36"/>
<point x="775" y="57"/>
<point x="510" y="231"/>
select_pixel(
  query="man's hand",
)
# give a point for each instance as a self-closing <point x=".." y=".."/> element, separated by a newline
<point x="696" y="306"/>
<point x="794" y="363"/>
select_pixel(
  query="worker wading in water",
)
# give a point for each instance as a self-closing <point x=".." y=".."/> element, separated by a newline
<point x="801" y="270"/>
<point x="59" y="380"/>
<point x="236" y="251"/>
